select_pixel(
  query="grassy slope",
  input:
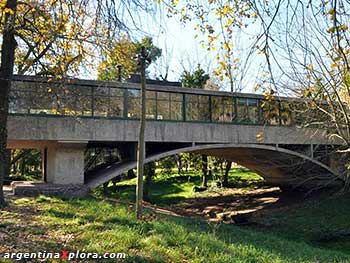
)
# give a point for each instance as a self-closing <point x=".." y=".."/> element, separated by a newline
<point x="324" y="223"/>
<point x="99" y="225"/>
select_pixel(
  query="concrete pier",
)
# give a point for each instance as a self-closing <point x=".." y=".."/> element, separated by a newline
<point x="65" y="163"/>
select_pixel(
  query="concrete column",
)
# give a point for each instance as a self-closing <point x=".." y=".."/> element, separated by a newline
<point x="65" y="163"/>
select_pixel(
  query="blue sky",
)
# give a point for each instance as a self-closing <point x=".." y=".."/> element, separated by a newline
<point x="181" y="50"/>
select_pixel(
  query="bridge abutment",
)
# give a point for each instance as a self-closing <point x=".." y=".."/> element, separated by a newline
<point x="65" y="164"/>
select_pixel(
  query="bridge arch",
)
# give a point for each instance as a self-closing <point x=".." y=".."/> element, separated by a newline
<point x="276" y="165"/>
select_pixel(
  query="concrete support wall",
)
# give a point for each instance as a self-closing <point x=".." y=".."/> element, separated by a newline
<point x="65" y="163"/>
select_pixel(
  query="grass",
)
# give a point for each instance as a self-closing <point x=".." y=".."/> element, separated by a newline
<point x="99" y="224"/>
<point x="173" y="188"/>
<point x="323" y="222"/>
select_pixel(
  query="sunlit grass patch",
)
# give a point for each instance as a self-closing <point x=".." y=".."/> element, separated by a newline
<point x="173" y="188"/>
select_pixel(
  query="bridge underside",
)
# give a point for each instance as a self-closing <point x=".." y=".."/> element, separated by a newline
<point x="278" y="166"/>
<point x="64" y="162"/>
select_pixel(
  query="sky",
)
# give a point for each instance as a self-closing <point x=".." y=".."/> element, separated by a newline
<point x="181" y="50"/>
<point x="289" y="41"/>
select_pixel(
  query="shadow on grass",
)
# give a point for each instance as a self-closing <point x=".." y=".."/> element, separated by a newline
<point x="286" y="235"/>
<point x="289" y="234"/>
<point x="163" y="192"/>
<point x="108" y="223"/>
<point x="60" y="214"/>
<point x="284" y="247"/>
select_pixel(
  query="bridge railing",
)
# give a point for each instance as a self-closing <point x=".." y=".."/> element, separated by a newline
<point x="97" y="99"/>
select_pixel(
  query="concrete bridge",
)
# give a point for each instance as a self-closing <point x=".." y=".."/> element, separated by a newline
<point x="64" y="118"/>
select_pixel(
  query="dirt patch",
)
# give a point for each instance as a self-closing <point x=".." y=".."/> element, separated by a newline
<point x="237" y="205"/>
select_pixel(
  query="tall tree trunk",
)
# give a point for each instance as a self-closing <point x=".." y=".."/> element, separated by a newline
<point x="205" y="170"/>
<point x="6" y="73"/>
<point x="141" y="142"/>
<point x="227" y="170"/>
<point x="105" y="187"/>
<point x="23" y="167"/>
<point x="7" y="165"/>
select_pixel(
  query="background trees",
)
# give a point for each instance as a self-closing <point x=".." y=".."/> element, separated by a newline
<point x="55" y="38"/>
<point x="292" y="48"/>
<point x="123" y="54"/>
<point x="309" y="58"/>
<point x="196" y="79"/>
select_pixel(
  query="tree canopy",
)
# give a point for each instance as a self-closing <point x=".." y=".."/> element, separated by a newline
<point x="56" y="38"/>
<point x="292" y="48"/>
<point x="63" y="38"/>
<point x="123" y="53"/>
<point x="197" y="79"/>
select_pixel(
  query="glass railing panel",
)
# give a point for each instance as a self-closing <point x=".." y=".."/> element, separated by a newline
<point x="116" y="109"/>
<point x="242" y="110"/>
<point x="270" y="112"/>
<point x="223" y="109"/>
<point x="163" y="105"/>
<point x="253" y="111"/>
<point x="112" y="102"/>
<point x="101" y="106"/>
<point x="151" y="105"/>
<point x="197" y="108"/>
<point x="133" y="97"/>
<point x="286" y="113"/>
<point x="19" y="102"/>
<point x="176" y="100"/>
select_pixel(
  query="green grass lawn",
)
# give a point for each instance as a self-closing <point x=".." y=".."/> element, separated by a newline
<point x="312" y="231"/>
<point x="324" y="222"/>
<point x="173" y="188"/>
<point x="98" y="225"/>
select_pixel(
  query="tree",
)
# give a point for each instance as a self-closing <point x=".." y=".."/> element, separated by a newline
<point x="126" y="57"/>
<point x="205" y="170"/>
<point x="225" y="176"/>
<point x="53" y="38"/>
<point x="197" y="79"/>
<point x="150" y="171"/>
<point x="123" y="54"/>
<point x="219" y="24"/>
<point x="141" y="147"/>
<point x="6" y="73"/>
